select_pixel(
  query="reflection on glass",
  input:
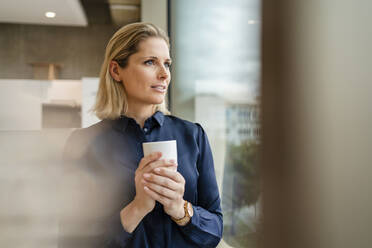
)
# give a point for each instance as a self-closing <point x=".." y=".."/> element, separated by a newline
<point x="216" y="83"/>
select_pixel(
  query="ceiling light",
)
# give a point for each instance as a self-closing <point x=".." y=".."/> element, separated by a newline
<point x="50" y="14"/>
<point x="252" y="21"/>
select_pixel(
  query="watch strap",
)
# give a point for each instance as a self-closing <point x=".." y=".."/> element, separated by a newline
<point x="184" y="220"/>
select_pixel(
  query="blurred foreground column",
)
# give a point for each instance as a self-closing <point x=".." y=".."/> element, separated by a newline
<point x="317" y="124"/>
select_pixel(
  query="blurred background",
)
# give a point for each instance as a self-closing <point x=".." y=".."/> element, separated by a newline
<point x="283" y="90"/>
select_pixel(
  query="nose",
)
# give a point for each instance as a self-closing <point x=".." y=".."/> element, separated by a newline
<point x="163" y="73"/>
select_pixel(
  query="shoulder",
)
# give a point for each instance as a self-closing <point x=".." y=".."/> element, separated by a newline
<point x="88" y="133"/>
<point x="188" y="128"/>
<point x="180" y="123"/>
<point x="80" y="139"/>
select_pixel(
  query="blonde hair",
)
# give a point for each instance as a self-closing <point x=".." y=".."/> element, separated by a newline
<point x="111" y="99"/>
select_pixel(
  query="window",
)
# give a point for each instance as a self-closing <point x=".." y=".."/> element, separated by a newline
<point x="215" y="82"/>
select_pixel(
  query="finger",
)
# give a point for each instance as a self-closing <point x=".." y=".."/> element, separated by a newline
<point x="168" y="172"/>
<point x="166" y="192"/>
<point x="157" y="197"/>
<point x="163" y="181"/>
<point x="148" y="159"/>
<point x="158" y="163"/>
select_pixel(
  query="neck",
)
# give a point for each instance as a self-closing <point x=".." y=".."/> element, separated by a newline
<point x="140" y="113"/>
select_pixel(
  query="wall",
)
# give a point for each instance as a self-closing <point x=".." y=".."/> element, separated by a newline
<point x="155" y="12"/>
<point x="79" y="50"/>
<point x="89" y="92"/>
<point x="20" y="102"/>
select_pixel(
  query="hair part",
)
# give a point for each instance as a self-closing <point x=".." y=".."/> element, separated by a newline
<point x="111" y="99"/>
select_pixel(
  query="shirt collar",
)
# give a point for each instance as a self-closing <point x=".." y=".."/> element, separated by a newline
<point x="159" y="117"/>
<point x="122" y="122"/>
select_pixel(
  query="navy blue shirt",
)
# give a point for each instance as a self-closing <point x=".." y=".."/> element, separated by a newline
<point x="106" y="156"/>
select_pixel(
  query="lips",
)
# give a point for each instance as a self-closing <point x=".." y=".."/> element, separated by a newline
<point x="159" y="88"/>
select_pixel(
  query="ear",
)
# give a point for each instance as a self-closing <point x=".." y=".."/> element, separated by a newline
<point x="114" y="70"/>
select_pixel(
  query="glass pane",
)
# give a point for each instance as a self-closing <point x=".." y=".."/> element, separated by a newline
<point x="48" y="70"/>
<point x="215" y="46"/>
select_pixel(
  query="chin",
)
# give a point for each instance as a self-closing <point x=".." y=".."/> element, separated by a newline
<point x="157" y="100"/>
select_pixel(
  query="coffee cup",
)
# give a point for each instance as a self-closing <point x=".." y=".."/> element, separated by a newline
<point x="167" y="148"/>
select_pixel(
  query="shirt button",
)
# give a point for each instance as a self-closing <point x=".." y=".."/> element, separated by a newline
<point x="145" y="129"/>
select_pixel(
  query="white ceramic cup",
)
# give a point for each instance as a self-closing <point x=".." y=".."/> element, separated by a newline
<point x="168" y="149"/>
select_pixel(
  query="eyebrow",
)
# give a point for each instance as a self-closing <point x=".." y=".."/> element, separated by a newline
<point x="154" y="57"/>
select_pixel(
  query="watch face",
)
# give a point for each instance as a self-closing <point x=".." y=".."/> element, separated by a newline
<point x="189" y="209"/>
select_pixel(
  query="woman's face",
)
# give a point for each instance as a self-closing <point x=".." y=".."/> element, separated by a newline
<point x="147" y="75"/>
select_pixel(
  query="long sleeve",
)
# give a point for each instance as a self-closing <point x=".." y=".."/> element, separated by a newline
<point x="206" y="225"/>
<point x="116" y="236"/>
<point x="82" y="221"/>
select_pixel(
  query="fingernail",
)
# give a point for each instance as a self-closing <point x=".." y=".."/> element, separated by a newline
<point x="146" y="175"/>
<point x="172" y="161"/>
<point x="157" y="170"/>
<point x="156" y="154"/>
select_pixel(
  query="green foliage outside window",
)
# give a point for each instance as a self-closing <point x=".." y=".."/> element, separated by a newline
<point x="241" y="194"/>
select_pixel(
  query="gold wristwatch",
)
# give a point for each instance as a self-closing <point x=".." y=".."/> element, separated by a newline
<point x="188" y="214"/>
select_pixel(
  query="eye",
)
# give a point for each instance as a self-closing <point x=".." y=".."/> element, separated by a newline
<point x="149" y="62"/>
<point x="167" y="64"/>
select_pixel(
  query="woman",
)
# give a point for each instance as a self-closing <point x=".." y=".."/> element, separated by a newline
<point x="131" y="200"/>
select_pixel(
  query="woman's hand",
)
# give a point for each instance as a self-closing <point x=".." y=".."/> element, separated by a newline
<point x="166" y="186"/>
<point x="142" y="204"/>
<point x="148" y="163"/>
